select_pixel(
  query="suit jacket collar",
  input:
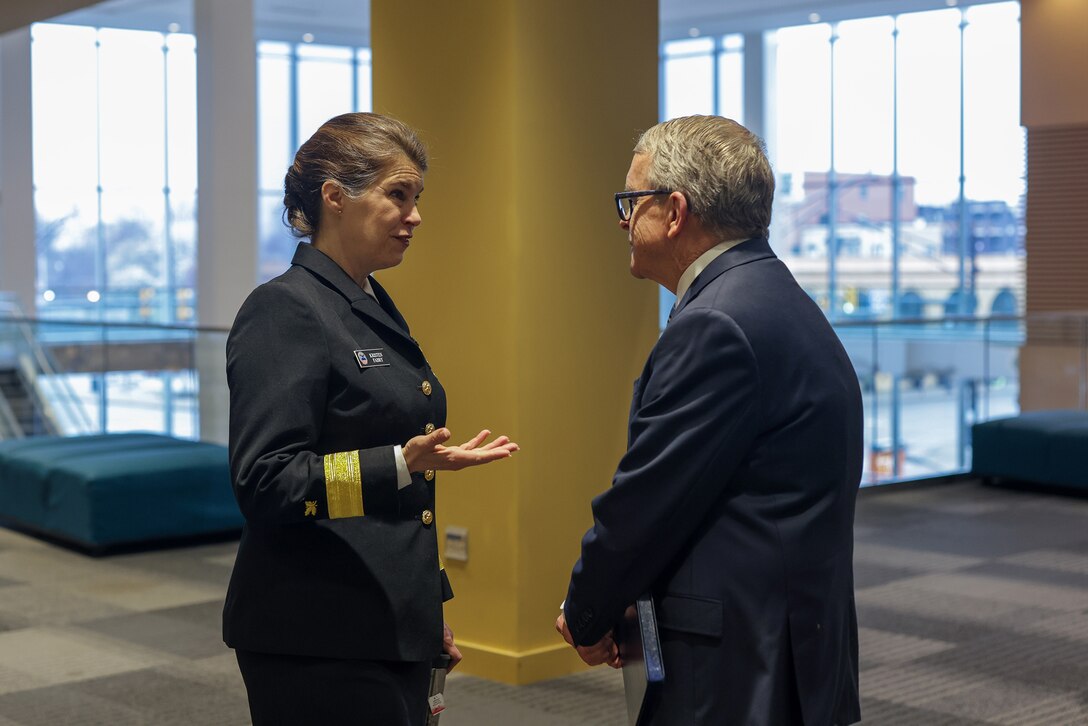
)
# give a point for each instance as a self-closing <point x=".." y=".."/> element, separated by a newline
<point x="756" y="248"/>
<point x="381" y="310"/>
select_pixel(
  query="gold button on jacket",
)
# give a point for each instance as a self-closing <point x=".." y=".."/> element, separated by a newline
<point x="428" y="516"/>
<point x="428" y="429"/>
<point x="426" y="388"/>
<point x="429" y="474"/>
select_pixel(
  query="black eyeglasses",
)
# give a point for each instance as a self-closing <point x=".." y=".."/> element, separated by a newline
<point x="626" y="201"/>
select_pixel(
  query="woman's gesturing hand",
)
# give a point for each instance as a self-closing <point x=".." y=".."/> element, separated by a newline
<point x="430" y="452"/>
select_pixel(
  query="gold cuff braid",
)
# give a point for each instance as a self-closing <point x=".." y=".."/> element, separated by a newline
<point x="343" y="485"/>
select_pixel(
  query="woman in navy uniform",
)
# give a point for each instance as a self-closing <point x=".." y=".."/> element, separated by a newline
<point x="336" y="430"/>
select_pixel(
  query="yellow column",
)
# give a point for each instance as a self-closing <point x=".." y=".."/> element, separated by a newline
<point x="517" y="283"/>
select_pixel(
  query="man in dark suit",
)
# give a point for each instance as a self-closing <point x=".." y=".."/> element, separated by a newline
<point x="734" y="504"/>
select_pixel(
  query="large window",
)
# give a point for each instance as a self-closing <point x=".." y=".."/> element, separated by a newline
<point x="115" y="161"/>
<point x="898" y="150"/>
<point x="300" y="86"/>
<point x="900" y="166"/>
<point x="114" y="133"/>
<point x="900" y="162"/>
<point x="114" y="172"/>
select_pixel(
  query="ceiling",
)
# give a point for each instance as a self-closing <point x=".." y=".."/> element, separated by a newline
<point x="347" y="21"/>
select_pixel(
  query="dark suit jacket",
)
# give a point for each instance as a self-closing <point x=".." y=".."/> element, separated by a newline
<point x="734" y="505"/>
<point x="334" y="560"/>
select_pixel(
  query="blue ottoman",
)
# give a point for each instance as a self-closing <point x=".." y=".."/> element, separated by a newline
<point x="111" y="489"/>
<point x="1043" y="447"/>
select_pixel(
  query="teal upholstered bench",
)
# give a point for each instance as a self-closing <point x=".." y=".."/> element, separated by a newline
<point x="1040" y="447"/>
<point x="111" y="489"/>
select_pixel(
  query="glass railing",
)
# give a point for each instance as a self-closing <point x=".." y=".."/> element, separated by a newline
<point x="114" y="377"/>
<point x="144" y="305"/>
<point x="924" y="382"/>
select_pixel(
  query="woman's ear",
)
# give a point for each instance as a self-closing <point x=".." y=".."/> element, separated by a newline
<point x="678" y="213"/>
<point x="332" y="197"/>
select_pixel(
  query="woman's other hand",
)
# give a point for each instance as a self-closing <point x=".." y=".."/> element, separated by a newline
<point x="430" y="452"/>
<point x="450" y="649"/>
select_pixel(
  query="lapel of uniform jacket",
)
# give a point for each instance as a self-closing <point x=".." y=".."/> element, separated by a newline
<point x="750" y="250"/>
<point x="386" y="314"/>
<point x="385" y="303"/>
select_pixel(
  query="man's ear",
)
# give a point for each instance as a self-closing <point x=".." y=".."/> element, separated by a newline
<point x="678" y="214"/>
<point x="332" y="196"/>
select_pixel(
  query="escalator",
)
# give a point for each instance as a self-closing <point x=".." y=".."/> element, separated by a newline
<point x="34" y="399"/>
<point x="22" y="413"/>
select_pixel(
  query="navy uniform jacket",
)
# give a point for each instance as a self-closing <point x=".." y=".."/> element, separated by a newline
<point x="734" y="505"/>
<point x="334" y="560"/>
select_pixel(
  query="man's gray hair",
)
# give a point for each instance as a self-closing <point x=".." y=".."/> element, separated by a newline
<point x="720" y="167"/>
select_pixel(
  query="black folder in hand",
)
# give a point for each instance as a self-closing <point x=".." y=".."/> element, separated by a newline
<point x="643" y="668"/>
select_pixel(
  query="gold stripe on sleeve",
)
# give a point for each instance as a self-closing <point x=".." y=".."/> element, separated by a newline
<point x="343" y="485"/>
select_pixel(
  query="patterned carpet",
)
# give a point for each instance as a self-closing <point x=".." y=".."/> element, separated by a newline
<point x="973" y="605"/>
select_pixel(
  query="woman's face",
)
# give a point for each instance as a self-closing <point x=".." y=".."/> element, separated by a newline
<point x="376" y="227"/>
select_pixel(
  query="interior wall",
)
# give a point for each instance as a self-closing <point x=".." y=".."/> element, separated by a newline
<point x="1054" y="103"/>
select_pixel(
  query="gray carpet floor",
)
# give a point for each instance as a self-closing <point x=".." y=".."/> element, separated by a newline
<point x="973" y="605"/>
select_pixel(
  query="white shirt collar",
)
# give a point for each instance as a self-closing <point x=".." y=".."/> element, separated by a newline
<point x="701" y="263"/>
<point x="369" y="289"/>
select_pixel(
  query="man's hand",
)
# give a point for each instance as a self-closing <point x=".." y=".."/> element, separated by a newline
<point x="605" y="651"/>
<point x="429" y="452"/>
<point x="451" y="650"/>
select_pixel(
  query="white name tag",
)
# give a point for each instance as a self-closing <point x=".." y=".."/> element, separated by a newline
<point x="370" y="358"/>
<point x="437" y="703"/>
